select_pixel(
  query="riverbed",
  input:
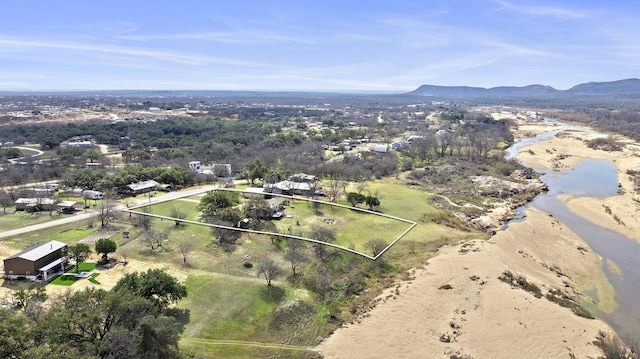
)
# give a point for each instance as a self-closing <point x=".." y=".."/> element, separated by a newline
<point x="596" y="178"/>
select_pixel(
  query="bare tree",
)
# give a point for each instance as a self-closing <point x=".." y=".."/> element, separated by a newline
<point x="154" y="239"/>
<point x="185" y="246"/>
<point x="107" y="211"/>
<point x="124" y="253"/>
<point x="295" y="255"/>
<point x="322" y="234"/>
<point x="142" y="221"/>
<point x="5" y="200"/>
<point x="336" y="189"/>
<point x="268" y="268"/>
<point x="361" y="186"/>
<point x="375" y="246"/>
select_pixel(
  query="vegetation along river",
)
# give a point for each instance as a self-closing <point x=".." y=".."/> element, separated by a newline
<point x="594" y="178"/>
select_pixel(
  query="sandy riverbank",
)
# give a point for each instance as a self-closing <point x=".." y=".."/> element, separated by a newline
<point x="484" y="317"/>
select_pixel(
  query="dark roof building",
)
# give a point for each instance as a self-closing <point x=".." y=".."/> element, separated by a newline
<point x="38" y="263"/>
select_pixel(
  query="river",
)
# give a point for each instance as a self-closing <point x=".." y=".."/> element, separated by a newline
<point x="593" y="178"/>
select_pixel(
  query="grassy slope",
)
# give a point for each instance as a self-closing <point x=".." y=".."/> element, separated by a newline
<point x="227" y="302"/>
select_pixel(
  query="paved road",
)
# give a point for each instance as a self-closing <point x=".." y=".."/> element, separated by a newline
<point x="85" y="215"/>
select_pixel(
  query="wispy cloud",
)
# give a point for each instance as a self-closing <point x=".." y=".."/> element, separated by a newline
<point x="231" y="37"/>
<point x="534" y="11"/>
<point x="364" y="38"/>
<point x="162" y="56"/>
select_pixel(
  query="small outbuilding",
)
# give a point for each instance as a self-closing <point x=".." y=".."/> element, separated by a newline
<point x="38" y="263"/>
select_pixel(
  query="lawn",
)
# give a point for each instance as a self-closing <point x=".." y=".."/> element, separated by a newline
<point x="19" y="219"/>
<point x="69" y="280"/>
<point x="67" y="233"/>
<point x="225" y="307"/>
<point x="187" y="205"/>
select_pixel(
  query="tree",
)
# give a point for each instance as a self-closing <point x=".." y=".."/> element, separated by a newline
<point x="324" y="235"/>
<point x="185" y="246"/>
<point x="142" y="220"/>
<point x="107" y="211"/>
<point x="355" y="198"/>
<point x="23" y="298"/>
<point x="14" y="333"/>
<point x="79" y="253"/>
<point x="124" y="253"/>
<point x="105" y="246"/>
<point x="372" y="202"/>
<point x="155" y="285"/>
<point x="226" y="236"/>
<point x="158" y="337"/>
<point x="258" y="208"/>
<point x="154" y="239"/>
<point x="256" y="170"/>
<point x="268" y="268"/>
<point x="375" y="246"/>
<point x="216" y="200"/>
<point x="336" y="189"/>
<point x="91" y="155"/>
<point x="178" y="215"/>
<point x="294" y="254"/>
<point x="5" y="201"/>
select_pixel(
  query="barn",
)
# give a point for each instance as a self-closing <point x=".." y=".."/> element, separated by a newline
<point x="38" y="263"/>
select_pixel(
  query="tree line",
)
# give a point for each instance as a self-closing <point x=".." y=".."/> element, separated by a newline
<point x="135" y="319"/>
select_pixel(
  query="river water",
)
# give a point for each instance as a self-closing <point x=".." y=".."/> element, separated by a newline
<point x="593" y="178"/>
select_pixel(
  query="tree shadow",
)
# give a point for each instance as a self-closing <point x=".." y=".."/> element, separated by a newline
<point x="183" y="316"/>
<point x="272" y="294"/>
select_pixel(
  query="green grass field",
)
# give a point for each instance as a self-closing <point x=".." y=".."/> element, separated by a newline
<point x="67" y="233"/>
<point x="229" y="313"/>
<point x="19" y="219"/>
<point x="232" y="315"/>
<point x="69" y="280"/>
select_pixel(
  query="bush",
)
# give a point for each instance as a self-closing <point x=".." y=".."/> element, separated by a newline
<point x="521" y="282"/>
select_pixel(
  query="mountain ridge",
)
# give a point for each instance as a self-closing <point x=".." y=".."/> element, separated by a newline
<point x="626" y="87"/>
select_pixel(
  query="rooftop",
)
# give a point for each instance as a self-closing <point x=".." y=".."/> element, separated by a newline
<point x="39" y="250"/>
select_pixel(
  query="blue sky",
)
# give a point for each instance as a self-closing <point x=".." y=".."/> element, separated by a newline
<point x="392" y="46"/>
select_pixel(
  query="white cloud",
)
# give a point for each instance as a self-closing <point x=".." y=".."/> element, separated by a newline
<point x="541" y="11"/>
<point x="244" y="36"/>
<point x="163" y="56"/>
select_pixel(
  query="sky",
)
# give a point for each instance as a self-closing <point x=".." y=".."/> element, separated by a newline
<point x="286" y="45"/>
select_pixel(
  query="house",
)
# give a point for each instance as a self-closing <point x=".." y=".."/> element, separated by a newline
<point x="216" y="169"/>
<point x="35" y="204"/>
<point x="380" y="148"/>
<point x="142" y="187"/>
<point x="38" y="263"/>
<point x="302" y="178"/>
<point x="36" y="192"/>
<point x="254" y="192"/>
<point x="300" y="184"/>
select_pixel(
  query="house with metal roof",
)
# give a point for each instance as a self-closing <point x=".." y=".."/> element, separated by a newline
<point x="38" y="263"/>
<point x="143" y="187"/>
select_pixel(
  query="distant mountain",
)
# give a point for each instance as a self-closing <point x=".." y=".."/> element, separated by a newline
<point x="621" y="87"/>
<point x="629" y="88"/>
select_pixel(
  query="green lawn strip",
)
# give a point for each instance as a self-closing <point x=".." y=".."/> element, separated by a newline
<point x="231" y="308"/>
<point x="67" y="233"/>
<point x="164" y="208"/>
<point x="20" y="219"/>
<point x="199" y="348"/>
<point x="93" y="279"/>
<point x="82" y="267"/>
<point x="65" y="280"/>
